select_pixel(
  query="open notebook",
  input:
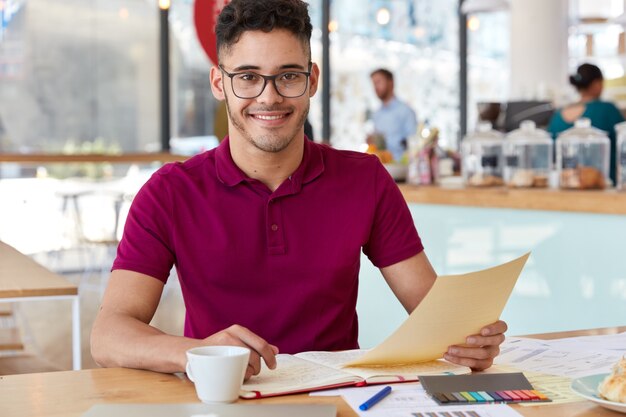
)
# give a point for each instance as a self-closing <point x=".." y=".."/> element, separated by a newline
<point x="311" y="371"/>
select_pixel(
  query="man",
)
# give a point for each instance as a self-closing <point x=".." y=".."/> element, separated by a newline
<point x="266" y="230"/>
<point x="394" y="119"/>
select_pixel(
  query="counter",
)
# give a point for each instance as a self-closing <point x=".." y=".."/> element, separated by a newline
<point x="576" y="274"/>
<point x="590" y="201"/>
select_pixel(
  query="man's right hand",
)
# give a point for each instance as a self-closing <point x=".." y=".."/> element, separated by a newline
<point x="237" y="335"/>
<point x="122" y="335"/>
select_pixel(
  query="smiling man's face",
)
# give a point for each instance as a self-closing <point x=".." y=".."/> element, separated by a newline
<point x="269" y="122"/>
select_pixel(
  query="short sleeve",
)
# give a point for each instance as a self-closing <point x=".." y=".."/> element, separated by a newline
<point x="146" y="246"/>
<point x="393" y="237"/>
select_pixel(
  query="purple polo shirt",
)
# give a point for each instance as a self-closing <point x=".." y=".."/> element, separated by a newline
<point x="284" y="264"/>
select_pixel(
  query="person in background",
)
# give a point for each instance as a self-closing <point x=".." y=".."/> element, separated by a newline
<point x="589" y="82"/>
<point x="395" y="120"/>
<point x="266" y="230"/>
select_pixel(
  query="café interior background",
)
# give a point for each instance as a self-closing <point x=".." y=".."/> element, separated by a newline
<point x="80" y="73"/>
<point x="82" y="76"/>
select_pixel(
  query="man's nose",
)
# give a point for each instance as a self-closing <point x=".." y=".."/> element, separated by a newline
<point x="270" y="94"/>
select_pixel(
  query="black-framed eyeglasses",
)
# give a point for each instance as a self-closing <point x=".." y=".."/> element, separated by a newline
<point x="248" y="84"/>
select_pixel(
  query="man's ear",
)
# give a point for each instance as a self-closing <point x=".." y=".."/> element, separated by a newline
<point x="313" y="79"/>
<point x="217" y="83"/>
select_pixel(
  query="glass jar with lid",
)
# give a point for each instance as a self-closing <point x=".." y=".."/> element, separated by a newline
<point x="583" y="157"/>
<point x="482" y="158"/>
<point x="620" y="156"/>
<point x="527" y="156"/>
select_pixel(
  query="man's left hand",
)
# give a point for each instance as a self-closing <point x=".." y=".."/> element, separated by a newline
<point x="479" y="350"/>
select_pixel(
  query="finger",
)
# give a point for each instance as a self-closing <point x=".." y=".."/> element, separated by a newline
<point x="484" y="352"/>
<point x="478" y="340"/>
<point x="254" y="362"/>
<point x="474" y="364"/>
<point x="499" y="327"/>
<point x="249" y="373"/>
<point x="256" y="343"/>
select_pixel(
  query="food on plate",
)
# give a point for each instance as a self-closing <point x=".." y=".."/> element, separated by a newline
<point x="613" y="388"/>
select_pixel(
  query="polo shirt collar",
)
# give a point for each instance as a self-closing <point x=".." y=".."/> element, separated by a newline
<point x="391" y="103"/>
<point x="225" y="167"/>
<point x="310" y="168"/>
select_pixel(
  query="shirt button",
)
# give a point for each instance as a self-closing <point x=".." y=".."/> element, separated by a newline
<point x="274" y="227"/>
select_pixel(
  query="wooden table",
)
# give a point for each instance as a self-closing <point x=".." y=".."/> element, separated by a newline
<point x="71" y="393"/>
<point x="22" y="279"/>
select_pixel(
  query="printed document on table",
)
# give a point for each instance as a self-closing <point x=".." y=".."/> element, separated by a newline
<point x="557" y="388"/>
<point x="597" y="343"/>
<point x="540" y="356"/>
<point x="413" y="401"/>
<point x="454" y="308"/>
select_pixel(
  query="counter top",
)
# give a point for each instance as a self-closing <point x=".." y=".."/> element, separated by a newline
<point x="591" y="201"/>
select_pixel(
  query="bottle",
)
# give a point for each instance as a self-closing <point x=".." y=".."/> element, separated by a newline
<point x="413" y="170"/>
<point x="620" y="156"/>
<point x="423" y="166"/>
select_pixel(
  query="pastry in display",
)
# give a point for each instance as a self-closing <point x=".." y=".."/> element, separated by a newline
<point x="540" y="181"/>
<point x="569" y="178"/>
<point x="583" y="177"/>
<point x="613" y="388"/>
<point x="527" y="178"/>
<point x="484" y="180"/>
<point x="590" y="177"/>
<point x="522" y="178"/>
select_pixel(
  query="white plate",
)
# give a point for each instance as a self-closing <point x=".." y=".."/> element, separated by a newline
<point x="587" y="387"/>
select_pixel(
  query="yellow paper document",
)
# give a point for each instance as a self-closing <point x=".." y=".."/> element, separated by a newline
<point x="455" y="307"/>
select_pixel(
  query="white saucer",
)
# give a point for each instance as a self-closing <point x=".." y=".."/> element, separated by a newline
<point x="587" y="387"/>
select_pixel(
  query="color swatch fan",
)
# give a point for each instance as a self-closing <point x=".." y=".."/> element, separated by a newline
<point x="481" y="389"/>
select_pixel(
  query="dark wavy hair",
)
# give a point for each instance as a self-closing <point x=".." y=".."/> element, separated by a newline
<point x="585" y="75"/>
<point x="384" y="72"/>
<point x="240" y="16"/>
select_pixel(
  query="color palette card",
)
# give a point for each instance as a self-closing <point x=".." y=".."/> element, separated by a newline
<point x="481" y="389"/>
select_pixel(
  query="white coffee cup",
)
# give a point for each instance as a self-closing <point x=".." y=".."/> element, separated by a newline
<point x="217" y="372"/>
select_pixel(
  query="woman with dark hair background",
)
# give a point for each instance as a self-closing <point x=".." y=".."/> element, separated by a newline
<point x="589" y="82"/>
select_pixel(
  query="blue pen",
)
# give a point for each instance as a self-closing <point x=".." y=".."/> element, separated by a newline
<point x="375" y="399"/>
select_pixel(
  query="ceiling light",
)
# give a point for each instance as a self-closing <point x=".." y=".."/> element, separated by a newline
<point x="473" y="23"/>
<point x="383" y="16"/>
<point x="164" y="4"/>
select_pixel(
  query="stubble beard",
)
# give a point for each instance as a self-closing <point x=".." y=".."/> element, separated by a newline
<point x="269" y="142"/>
